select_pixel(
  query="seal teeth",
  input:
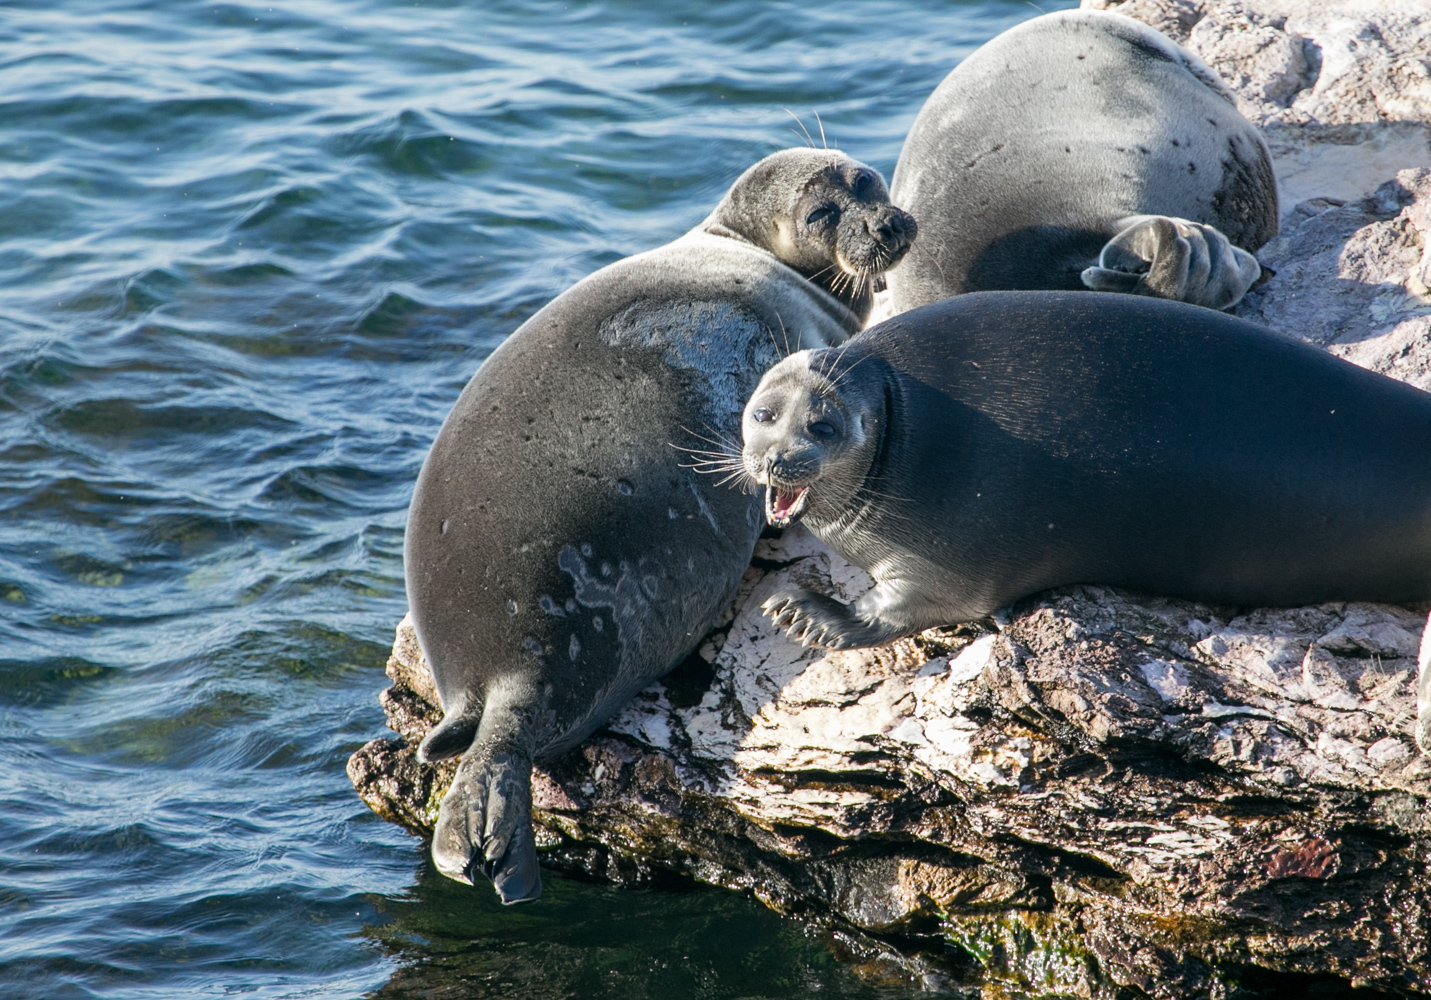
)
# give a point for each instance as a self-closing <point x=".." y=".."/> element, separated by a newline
<point x="784" y="507"/>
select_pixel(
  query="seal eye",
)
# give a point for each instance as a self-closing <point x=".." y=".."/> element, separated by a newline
<point x="763" y="416"/>
<point x="822" y="428"/>
<point x="863" y="179"/>
<point x="821" y="214"/>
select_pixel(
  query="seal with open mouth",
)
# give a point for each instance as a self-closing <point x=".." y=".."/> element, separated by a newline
<point x="560" y="553"/>
<point x="992" y="445"/>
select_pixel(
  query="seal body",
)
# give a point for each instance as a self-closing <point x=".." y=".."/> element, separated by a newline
<point x="562" y="551"/>
<point x="998" y="444"/>
<point x="1065" y="133"/>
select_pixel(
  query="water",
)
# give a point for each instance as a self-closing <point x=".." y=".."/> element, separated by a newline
<point x="250" y="254"/>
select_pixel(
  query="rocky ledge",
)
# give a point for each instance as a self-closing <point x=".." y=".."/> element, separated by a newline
<point x="1102" y="794"/>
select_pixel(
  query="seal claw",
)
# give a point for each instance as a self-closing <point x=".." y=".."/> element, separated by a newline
<point x="1173" y="258"/>
<point x="815" y="620"/>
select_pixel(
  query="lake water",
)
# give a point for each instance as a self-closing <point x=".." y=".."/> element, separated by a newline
<point x="250" y="255"/>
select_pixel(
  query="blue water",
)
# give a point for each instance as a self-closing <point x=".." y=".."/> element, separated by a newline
<point x="250" y="254"/>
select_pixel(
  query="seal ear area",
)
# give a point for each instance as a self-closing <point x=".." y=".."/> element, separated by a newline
<point x="484" y="824"/>
<point x="767" y="194"/>
<point x="449" y="738"/>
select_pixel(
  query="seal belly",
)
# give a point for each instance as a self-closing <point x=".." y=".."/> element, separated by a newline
<point x="551" y="564"/>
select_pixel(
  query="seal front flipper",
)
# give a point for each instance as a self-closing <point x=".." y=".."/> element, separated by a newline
<point x="816" y="620"/>
<point x="1171" y="258"/>
<point x="485" y="821"/>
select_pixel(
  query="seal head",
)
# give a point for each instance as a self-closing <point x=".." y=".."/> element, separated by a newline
<point x="810" y="436"/>
<point x="823" y="214"/>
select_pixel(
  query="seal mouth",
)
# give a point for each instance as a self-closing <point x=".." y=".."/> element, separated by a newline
<point x="784" y="507"/>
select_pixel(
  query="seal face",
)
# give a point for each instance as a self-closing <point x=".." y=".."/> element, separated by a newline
<point x="561" y="552"/>
<point x="1066" y="135"/>
<point x="997" y="444"/>
<point x="834" y="225"/>
<point x="809" y="440"/>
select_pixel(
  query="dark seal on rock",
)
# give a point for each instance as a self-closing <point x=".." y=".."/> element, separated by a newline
<point x="990" y="446"/>
<point x="561" y="554"/>
<point x="1083" y="149"/>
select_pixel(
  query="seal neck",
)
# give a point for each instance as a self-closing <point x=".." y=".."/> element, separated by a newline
<point x="857" y="301"/>
<point x="883" y="399"/>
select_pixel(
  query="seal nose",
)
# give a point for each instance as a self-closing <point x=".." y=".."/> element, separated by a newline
<point x="892" y="229"/>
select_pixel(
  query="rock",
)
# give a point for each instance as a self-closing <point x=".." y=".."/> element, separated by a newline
<point x="1107" y="791"/>
<point x="1353" y="277"/>
<point x="1104" y="794"/>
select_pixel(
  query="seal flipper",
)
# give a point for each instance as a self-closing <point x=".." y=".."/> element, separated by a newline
<point x="451" y="737"/>
<point x="816" y="620"/>
<point x="1172" y="258"/>
<point x="485" y="821"/>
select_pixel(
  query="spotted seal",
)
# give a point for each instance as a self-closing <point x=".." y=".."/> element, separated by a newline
<point x="1083" y="149"/>
<point x="560" y="555"/>
<point x="992" y="445"/>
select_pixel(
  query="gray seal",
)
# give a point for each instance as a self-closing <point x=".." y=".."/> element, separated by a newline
<point x="1083" y="149"/>
<point x="989" y="446"/>
<point x="561" y="552"/>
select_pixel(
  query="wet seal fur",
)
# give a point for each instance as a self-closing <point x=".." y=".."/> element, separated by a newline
<point x="1083" y="149"/>
<point x="561" y="553"/>
<point x="993" y="445"/>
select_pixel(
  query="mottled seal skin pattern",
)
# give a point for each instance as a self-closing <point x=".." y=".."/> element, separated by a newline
<point x="990" y="446"/>
<point x="561" y="552"/>
<point x="1028" y="166"/>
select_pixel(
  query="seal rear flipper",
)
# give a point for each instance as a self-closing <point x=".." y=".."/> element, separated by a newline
<point x="451" y="737"/>
<point x="485" y="822"/>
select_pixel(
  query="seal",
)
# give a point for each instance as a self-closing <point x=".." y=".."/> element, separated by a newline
<point x="560" y="552"/>
<point x="993" y="445"/>
<point x="1083" y="149"/>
